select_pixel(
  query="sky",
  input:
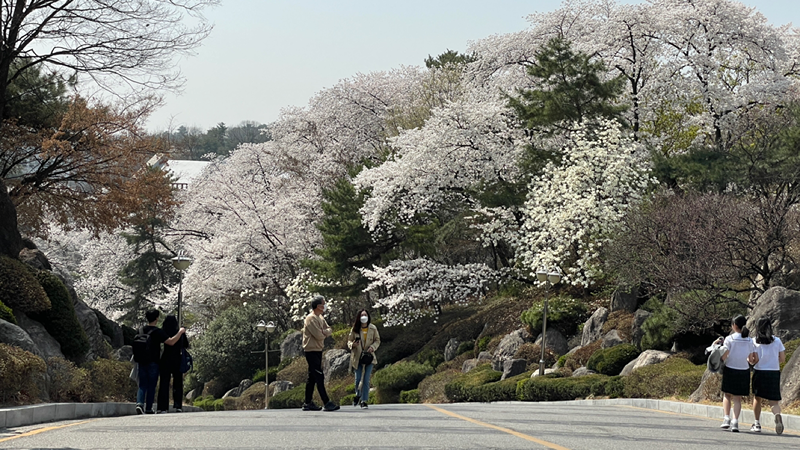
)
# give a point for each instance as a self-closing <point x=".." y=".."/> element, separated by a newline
<point x="264" y="55"/>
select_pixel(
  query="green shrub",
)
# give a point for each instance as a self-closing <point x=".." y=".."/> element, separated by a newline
<point x="659" y="327"/>
<point x="563" y="314"/>
<point x="260" y="375"/>
<point x="462" y="389"/>
<point x="20" y="370"/>
<point x="19" y="289"/>
<point x="672" y="377"/>
<point x="465" y="347"/>
<point x="296" y="371"/>
<point x="292" y="398"/>
<point x="285" y="363"/>
<point x="533" y="353"/>
<point x="68" y="383"/>
<point x="228" y="404"/>
<point x="6" y="314"/>
<point x="60" y="320"/>
<point x="411" y="396"/>
<point x="431" y="389"/>
<point x="483" y="343"/>
<point x="430" y="357"/>
<point x="206" y="403"/>
<point x="622" y="321"/>
<point x="562" y="360"/>
<point x="580" y="357"/>
<point x="347" y="399"/>
<point x="111" y="381"/>
<point x="402" y="376"/>
<point x="611" y="361"/>
<point x="552" y="387"/>
<point x="219" y="404"/>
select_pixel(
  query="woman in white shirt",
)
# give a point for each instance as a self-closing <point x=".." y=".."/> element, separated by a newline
<point x="770" y="354"/>
<point x="739" y="354"/>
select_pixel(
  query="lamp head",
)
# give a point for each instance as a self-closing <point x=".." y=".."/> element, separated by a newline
<point x="554" y="277"/>
<point x="270" y="326"/>
<point x="261" y="326"/>
<point x="541" y="276"/>
<point x="181" y="262"/>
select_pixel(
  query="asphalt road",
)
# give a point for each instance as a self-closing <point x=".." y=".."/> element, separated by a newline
<point x="451" y="426"/>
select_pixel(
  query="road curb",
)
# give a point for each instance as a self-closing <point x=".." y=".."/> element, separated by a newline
<point x="790" y="422"/>
<point x="20" y="416"/>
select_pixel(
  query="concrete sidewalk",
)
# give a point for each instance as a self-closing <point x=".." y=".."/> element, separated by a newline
<point x="51" y="412"/>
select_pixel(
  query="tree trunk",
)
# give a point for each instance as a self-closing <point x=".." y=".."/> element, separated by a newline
<point x="10" y="239"/>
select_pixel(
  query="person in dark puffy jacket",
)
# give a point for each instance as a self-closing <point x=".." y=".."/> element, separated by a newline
<point x="170" y="367"/>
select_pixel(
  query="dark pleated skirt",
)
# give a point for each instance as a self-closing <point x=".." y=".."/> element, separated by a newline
<point x="735" y="382"/>
<point x="767" y="384"/>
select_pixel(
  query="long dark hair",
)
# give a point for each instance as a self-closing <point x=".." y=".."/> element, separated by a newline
<point x="740" y="322"/>
<point x="357" y="322"/>
<point x="170" y="325"/>
<point x="764" y="331"/>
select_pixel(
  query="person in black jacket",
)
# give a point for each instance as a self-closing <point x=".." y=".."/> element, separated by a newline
<point x="170" y="366"/>
<point x="149" y="366"/>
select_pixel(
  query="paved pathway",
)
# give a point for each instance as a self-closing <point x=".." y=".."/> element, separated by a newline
<point x="456" y="426"/>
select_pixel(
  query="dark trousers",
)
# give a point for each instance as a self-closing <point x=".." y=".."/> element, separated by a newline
<point x="177" y="388"/>
<point x="148" y="378"/>
<point x="315" y="377"/>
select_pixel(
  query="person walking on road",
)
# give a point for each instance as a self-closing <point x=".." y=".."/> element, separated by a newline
<point x="149" y="361"/>
<point x="739" y="354"/>
<point x="170" y="367"/>
<point x="315" y="330"/>
<point x="363" y="341"/>
<point x="770" y="354"/>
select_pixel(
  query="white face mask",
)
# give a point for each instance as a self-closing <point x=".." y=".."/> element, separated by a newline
<point x="325" y="308"/>
<point x="364" y="319"/>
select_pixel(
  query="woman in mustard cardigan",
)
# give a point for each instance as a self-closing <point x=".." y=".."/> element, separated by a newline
<point x="363" y="339"/>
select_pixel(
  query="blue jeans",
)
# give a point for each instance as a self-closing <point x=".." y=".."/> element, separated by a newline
<point x="364" y="392"/>
<point x="148" y="378"/>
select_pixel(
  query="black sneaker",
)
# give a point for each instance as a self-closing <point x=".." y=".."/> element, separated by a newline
<point x="330" y="406"/>
<point x="139" y="409"/>
<point x="178" y="410"/>
<point x="356" y="400"/>
<point x="364" y="405"/>
<point x="161" y="411"/>
<point x="311" y="407"/>
<point x="149" y="411"/>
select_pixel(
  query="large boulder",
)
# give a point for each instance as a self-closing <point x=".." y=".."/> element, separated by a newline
<point x="582" y="371"/>
<point x="335" y="363"/>
<point x="790" y="380"/>
<point x="88" y="320"/>
<point x="123" y="353"/>
<point x="292" y="346"/>
<point x="451" y="348"/>
<point x="555" y="342"/>
<point x="783" y="307"/>
<point x="14" y="335"/>
<point x="625" y="299"/>
<point x="612" y="339"/>
<point x="647" y="358"/>
<point x="513" y="367"/>
<point x="35" y="258"/>
<point x="47" y="344"/>
<point x="709" y="389"/>
<point x="281" y="386"/>
<point x="593" y="328"/>
<point x="469" y="365"/>
<point x="192" y="395"/>
<point x="637" y="333"/>
<point x="508" y="347"/>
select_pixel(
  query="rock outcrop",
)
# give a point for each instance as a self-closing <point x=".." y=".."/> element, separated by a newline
<point x="593" y="328"/>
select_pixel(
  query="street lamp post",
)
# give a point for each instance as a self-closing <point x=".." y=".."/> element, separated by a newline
<point x="180" y="262"/>
<point x="266" y="328"/>
<point x="549" y="279"/>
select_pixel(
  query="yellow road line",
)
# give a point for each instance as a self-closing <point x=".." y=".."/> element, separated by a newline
<point x="701" y="417"/>
<point x="504" y="430"/>
<point x="42" y="430"/>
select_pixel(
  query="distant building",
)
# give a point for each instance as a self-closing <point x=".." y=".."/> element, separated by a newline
<point x="183" y="171"/>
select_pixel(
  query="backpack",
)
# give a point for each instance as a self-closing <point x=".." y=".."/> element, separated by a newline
<point x="141" y="347"/>
<point x="187" y="363"/>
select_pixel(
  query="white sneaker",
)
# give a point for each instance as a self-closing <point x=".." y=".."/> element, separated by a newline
<point x="726" y="423"/>
<point x="756" y="428"/>
<point x="778" y="424"/>
<point x="735" y="426"/>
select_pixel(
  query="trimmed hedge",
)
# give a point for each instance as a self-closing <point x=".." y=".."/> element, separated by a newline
<point x="6" y="314"/>
<point x="20" y="370"/>
<point x="611" y="361"/>
<point x="292" y="398"/>
<point x="563" y="314"/>
<point x="431" y="389"/>
<point x="18" y="287"/>
<point x="68" y="382"/>
<point x="111" y="381"/>
<point x="60" y="320"/>
<point x="430" y="357"/>
<point x="411" y="396"/>
<point x="465" y="388"/>
<point x="402" y="376"/>
<point x="672" y="377"/>
<point x="552" y="387"/>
